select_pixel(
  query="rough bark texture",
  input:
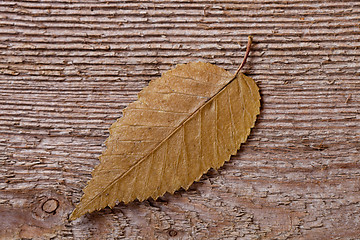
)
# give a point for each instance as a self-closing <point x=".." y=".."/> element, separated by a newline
<point x="69" y="67"/>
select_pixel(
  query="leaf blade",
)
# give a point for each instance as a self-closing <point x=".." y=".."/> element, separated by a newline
<point x="163" y="106"/>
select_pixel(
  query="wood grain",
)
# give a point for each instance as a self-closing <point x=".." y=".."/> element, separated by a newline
<point x="67" y="68"/>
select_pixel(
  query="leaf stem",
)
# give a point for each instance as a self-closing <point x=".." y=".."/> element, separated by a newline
<point x="250" y="38"/>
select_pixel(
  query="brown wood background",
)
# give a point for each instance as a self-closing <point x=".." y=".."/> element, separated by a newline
<point x="68" y="67"/>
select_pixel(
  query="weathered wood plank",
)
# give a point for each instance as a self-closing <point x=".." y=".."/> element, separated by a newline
<point x="67" y="68"/>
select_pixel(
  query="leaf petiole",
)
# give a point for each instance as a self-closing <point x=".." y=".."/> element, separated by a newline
<point x="250" y="38"/>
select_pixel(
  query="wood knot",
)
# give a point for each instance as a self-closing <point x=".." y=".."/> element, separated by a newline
<point x="50" y="205"/>
<point x="172" y="233"/>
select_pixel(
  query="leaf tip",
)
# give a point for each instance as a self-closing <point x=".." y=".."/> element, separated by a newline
<point x="73" y="216"/>
<point x="77" y="212"/>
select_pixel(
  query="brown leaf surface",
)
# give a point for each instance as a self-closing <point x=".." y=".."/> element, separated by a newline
<point x="191" y="119"/>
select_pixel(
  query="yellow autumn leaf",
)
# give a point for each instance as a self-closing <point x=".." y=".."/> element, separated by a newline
<point x="191" y="119"/>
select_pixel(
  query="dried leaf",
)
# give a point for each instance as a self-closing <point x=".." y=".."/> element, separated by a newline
<point x="191" y="119"/>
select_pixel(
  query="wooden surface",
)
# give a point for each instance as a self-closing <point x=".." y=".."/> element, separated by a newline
<point x="67" y="68"/>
